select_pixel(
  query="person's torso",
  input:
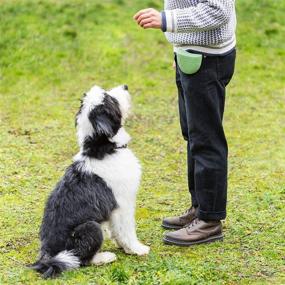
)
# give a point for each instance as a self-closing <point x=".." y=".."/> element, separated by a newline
<point x="217" y="40"/>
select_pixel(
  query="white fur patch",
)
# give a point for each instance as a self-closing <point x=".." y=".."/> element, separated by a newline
<point x="121" y="171"/>
<point x="105" y="227"/>
<point x="93" y="98"/>
<point x="68" y="258"/>
<point x="139" y="249"/>
<point x="121" y="138"/>
<point x="103" y="258"/>
<point x="124" y="99"/>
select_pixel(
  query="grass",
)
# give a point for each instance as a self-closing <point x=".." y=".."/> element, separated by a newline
<point x="53" y="51"/>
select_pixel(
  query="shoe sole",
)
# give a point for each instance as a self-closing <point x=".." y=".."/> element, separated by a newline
<point x="169" y="241"/>
<point x="171" y="227"/>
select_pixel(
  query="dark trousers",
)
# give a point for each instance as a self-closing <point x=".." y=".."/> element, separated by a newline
<point x="201" y="98"/>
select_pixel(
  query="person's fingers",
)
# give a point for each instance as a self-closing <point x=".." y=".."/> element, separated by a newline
<point x="137" y="15"/>
<point x="145" y="21"/>
<point x="146" y="18"/>
<point x="143" y="11"/>
<point x="148" y="26"/>
<point x="142" y="17"/>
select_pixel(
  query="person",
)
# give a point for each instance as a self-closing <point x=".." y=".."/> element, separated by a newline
<point x="206" y="28"/>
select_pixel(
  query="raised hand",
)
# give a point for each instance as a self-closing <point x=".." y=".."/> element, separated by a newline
<point x="148" y="18"/>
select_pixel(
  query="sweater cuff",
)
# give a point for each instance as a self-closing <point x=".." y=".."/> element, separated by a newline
<point x="163" y="21"/>
<point x="170" y="19"/>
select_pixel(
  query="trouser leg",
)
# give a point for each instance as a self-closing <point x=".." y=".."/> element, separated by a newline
<point x="204" y="97"/>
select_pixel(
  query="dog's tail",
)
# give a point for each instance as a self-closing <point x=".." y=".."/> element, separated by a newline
<point x="53" y="266"/>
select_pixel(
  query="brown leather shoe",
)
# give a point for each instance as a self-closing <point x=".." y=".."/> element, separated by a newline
<point x="196" y="232"/>
<point x="180" y="221"/>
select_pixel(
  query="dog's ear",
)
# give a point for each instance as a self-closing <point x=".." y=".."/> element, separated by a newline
<point x="106" y="118"/>
<point x="102" y="124"/>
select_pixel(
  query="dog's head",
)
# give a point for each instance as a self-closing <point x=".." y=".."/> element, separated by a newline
<point x="102" y="113"/>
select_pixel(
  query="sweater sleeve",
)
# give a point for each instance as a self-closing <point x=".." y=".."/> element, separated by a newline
<point x="206" y="15"/>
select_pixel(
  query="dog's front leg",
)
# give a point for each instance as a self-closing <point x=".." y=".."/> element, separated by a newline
<point x="123" y="230"/>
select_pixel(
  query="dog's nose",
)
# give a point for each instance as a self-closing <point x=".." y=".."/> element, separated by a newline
<point x="125" y="87"/>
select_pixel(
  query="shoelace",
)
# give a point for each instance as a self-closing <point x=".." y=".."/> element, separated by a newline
<point x="193" y="223"/>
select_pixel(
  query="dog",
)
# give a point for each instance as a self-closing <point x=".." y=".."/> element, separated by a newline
<point x="98" y="188"/>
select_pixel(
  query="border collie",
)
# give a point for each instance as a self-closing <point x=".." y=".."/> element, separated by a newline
<point x="99" y="187"/>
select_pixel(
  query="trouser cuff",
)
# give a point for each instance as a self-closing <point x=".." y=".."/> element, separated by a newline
<point x="211" y="216"/>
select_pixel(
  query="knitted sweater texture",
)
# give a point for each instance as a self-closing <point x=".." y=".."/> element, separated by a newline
<point x="202" y="25"/>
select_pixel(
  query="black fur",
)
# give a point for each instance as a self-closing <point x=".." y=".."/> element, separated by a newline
<point x="106" y="121"/>
<point x="106" y="118"/>
<point x="49" y="267"/>
<point x="98" y="147"/>
<point x="72" y="217"/>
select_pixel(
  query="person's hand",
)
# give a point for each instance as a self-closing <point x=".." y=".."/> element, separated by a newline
<point x="148" y="18"/>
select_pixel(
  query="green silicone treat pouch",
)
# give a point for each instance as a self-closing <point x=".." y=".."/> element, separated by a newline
<point x="189" y="63"/>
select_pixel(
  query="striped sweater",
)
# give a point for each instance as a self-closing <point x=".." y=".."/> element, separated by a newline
<point x="201" y="25"/>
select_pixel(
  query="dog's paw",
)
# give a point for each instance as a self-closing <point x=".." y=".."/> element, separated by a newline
<point x="139" y="249"/>
<point x="103" y="258"/>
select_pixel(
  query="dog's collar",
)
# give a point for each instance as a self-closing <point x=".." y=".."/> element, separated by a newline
<point x="122" y="146"/>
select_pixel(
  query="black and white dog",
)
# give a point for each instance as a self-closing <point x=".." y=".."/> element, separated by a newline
<point x="98" y="188"/>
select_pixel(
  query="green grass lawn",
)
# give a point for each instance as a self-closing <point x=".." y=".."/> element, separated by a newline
<point x="53" y="51"/>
